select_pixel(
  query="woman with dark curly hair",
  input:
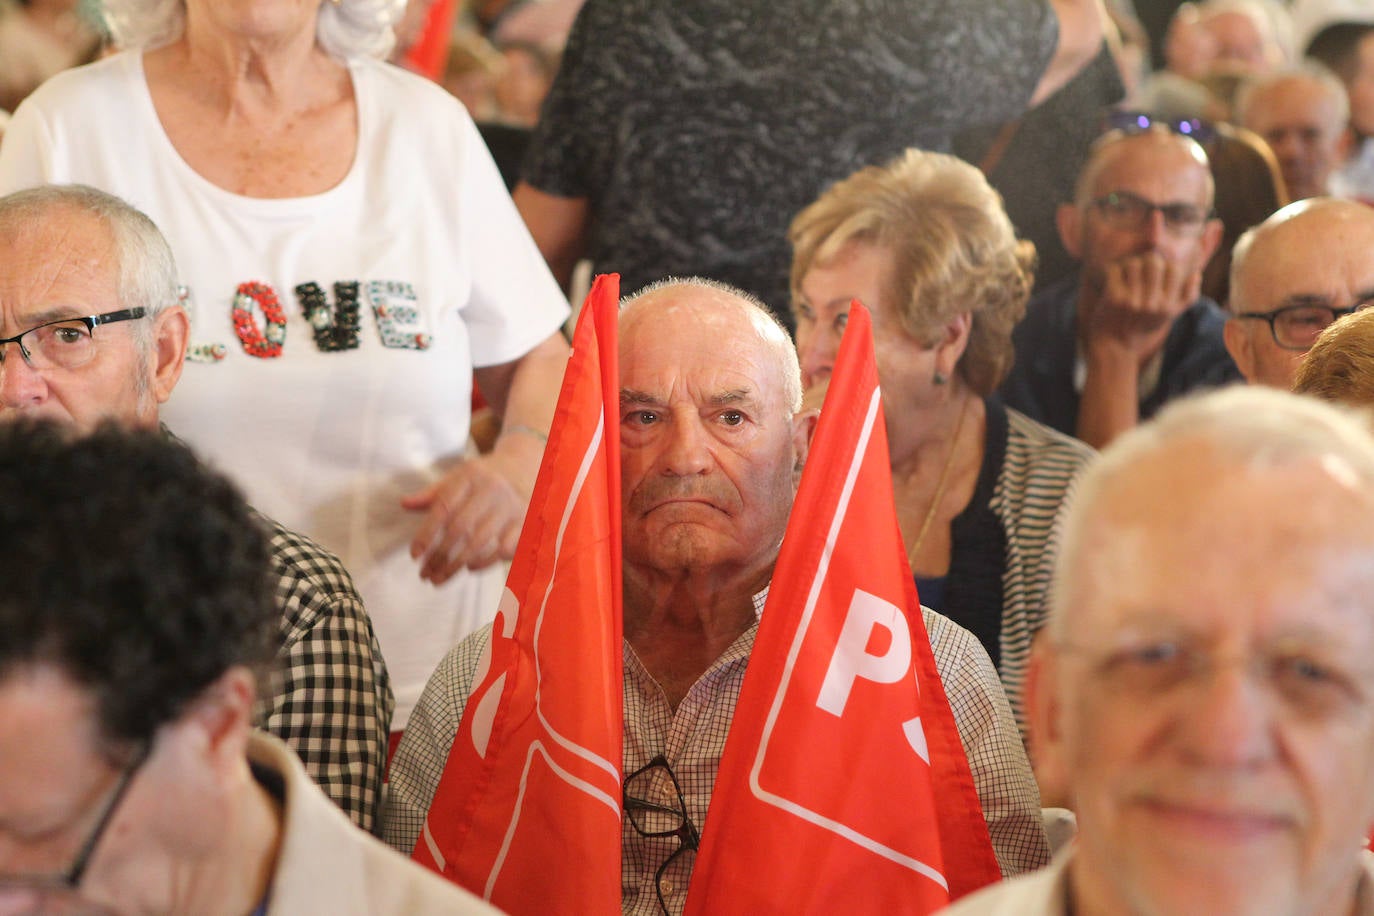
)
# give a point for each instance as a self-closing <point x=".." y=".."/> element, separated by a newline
<point x="924" y="243"/>
<point x="350" y="255"/>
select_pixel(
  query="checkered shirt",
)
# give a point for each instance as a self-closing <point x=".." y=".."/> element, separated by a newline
<point x="329" y="697"/>
<point x="692" y="738"/>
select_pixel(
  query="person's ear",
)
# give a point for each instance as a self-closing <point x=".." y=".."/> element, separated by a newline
<point x="1345" y="144"/>
<point x="1068" y="219"/>
<point x="803" y="428"/>
<point x="952" y="342"/>
<point x="171" y="331"/>
<point x="1207" y="245"/>
<point x="1045" y="731"/>
<point x="221" y="717"/>
<point x="1240" y="346"/>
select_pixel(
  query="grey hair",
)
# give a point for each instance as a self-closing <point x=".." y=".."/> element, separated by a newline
<point x="1309" y="70"/>
<point x="769" y="329"/>
<point x="146" y="272"/>
<point x="1271" y="20"/>
<point x="346" y="29"/>
<point x="1251" y="426"/>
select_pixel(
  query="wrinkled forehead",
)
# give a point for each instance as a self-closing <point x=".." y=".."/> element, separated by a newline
<point x="64" y="259"/>
<point x="1149" y="160"/>
<point x="1190" y="532"/>
<point x="1327" y="248"/>
<point x="701" y="334"/>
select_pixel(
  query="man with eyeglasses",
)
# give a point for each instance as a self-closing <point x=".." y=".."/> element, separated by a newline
<point x="1291" y="277"/>
<point x="90" y="330"/>
<point x="1204" y="688"/>
<point x="712" y="442"/>
<point x="1107" y="346"/>
<point x="137" y="603"/>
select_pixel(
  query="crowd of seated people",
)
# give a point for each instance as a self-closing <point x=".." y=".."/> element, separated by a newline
<point x="1113" y="485"/>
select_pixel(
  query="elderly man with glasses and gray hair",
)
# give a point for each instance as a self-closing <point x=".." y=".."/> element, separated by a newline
<point x="91" y="331"/>
<point x="1204" y="691"/>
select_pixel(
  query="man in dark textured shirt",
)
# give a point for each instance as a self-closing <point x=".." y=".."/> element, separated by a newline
<point x="681" y="136"/>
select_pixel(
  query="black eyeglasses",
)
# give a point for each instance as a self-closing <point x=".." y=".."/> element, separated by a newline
<point x="65" y="884"/>
<point x="1297" y="327"/>
<point x="66" y="343"/>
<point x="651" y="819"/>
<point x="1134" y="122"/>
<point x="1132" y="213"/>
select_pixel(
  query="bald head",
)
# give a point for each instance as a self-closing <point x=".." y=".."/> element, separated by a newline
<point x="1148" y="153"/>
<point x="1314" y="259"/>
<point x="695" y="303"/>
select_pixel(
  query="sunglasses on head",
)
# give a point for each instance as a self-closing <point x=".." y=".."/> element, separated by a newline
<point x="1134" y="122"/>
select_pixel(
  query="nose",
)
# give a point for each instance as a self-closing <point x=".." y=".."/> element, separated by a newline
<point x="688" y="450"/>
<point x="1229" y="718"/>
<point x="816" y="348"/>
<point x="1155" y="228"/>
<point x="20" y="385"/>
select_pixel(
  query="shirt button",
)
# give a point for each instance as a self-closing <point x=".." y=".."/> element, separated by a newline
<point x="668" y="887"/>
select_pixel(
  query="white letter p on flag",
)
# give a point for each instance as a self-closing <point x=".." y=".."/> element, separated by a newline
<point x="852" y="660"/>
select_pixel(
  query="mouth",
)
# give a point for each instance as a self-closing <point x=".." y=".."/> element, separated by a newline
<point x="1217" y="822"/>
<point x="685" y="502"/>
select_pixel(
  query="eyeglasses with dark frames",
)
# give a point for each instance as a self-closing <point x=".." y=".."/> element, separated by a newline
<point x="1297" y="326"/>
<point x="1131" y="212"/>
<point x="68" y="881"/>
<point x="65" y="343"/>
<point x="651" y="819"/>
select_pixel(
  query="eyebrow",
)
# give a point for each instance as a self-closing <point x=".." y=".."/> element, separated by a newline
<point x="58" y="313"/>
<point x="631" y="396"/>
<point x="733" y="396"/>
<point x="726" y="398"/>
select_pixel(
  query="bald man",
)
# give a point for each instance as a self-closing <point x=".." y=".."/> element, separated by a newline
<point x="712" y="440"/>
<point x="1107" y="346"/>
<point x="1291" y="276"/>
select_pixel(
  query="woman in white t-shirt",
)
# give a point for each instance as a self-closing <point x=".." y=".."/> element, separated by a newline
<point x="350" y="255"/>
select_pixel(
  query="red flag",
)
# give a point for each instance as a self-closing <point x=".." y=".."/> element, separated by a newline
<point x="429" y="54"/>
<point x="843" y="786"/>
<point x="527" y="813"/>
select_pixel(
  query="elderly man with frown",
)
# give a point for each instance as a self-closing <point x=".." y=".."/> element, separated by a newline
<point x="712" y="441"/>
<point x="1205" y="690"/>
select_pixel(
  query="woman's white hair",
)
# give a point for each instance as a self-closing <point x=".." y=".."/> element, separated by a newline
<point x="347" y="29"/>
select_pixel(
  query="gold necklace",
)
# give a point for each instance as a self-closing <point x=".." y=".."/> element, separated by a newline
<point x="939" y="486"/>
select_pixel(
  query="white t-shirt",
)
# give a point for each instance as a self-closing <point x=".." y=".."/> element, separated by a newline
<point x="327" y="442"/>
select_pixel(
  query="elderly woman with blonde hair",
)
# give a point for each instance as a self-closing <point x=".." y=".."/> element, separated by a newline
<point x="924" y="243"/>
<point x="350" y="254"/>
<point x="1340" y="365"/>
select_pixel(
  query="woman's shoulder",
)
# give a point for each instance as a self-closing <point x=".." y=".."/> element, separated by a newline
<point x="1037" y="443"/>
<point x="400" y="85"/>
<point x="93" y="87"/>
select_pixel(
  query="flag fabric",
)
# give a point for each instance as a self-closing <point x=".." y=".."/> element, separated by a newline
<point x="429" y="54"/>
<point x="843" y="786"/>
<point x="527" y="812"/>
